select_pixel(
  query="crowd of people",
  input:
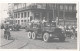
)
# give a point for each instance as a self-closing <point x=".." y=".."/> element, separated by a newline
<point x="7" y="27"/>
<point x="70" y="31"/>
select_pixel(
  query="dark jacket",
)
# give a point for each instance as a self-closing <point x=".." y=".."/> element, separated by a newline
<point x="6" y="26"/>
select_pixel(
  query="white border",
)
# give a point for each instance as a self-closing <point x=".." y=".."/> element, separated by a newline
<point x="47" y="1"/>
<point x="38" y="1"/>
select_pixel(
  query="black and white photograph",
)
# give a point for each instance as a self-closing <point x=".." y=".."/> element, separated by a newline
<point x="38" y="26"/>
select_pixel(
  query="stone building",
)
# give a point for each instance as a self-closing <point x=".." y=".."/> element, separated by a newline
<point x="25" y="12"/>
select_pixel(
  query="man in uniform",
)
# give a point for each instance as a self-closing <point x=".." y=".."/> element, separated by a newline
<point x="6" y="31"/>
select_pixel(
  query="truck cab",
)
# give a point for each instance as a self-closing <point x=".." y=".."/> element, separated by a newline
<point x="46" y="31"/>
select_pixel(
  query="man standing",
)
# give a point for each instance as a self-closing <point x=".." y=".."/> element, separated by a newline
<point x="6" y="31"/>
<point x="73" y="31"/>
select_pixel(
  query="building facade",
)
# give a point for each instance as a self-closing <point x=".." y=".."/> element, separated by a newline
<point x="25" y="12"/>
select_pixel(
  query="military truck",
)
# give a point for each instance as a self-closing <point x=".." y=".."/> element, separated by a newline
<point x="46" y="30"/>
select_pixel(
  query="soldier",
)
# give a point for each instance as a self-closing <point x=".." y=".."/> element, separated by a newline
<point x="6" y="32"/>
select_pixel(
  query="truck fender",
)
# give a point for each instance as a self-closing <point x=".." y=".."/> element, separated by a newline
<point x="44" y="32"/>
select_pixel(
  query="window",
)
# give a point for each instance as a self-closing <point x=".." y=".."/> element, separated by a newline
<point x="74" y="8"/>
<point x="61" y="7"/>
<point x="44" y="6"/>
<point x="70" y="7"/>
<point x="21" y="20"/>
<point x="21" y="15"/>
<point x="31" y="18"/>
<point x="24" y="14"/>
<point x="24" y="5"/>
<point x="20" y="6"/>
<point x="37" y="16"/>
<point x="39" y="6"/>
<point x="18" y="15"/>
<point x="24" y="20"/>
<point x="16" y="21"/>
<point x="15" y="7"/>
<point x="66" y="7"/>
<point x="28" y="14"/>
<point x="14" y="15"/>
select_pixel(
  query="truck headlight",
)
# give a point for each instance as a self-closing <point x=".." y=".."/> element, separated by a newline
<point x="50" y="35"/>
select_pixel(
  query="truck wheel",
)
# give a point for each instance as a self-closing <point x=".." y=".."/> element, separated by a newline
<point x="46" y="37"/>
<point x="29" y="35"/>
<point x="62" y="39"/>
<point x="34" y="35"/>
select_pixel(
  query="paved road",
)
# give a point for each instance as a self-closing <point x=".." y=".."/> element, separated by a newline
<point x="21" y="41"/>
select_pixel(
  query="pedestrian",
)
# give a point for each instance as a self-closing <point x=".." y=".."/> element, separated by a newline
<point x="73" y="31"/>
<point x="6" y="30"/>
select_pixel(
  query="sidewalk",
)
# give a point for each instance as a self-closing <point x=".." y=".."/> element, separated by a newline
<point x="3" y="41"/>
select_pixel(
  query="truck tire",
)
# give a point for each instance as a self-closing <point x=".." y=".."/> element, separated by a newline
<point x="29" y="35"/>
<point x="46" y="37"/>
<point x="34" y="36"/>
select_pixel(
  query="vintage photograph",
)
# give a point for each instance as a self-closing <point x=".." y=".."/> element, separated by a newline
<point x="38" y="26"/>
